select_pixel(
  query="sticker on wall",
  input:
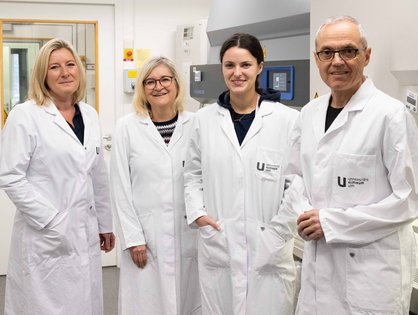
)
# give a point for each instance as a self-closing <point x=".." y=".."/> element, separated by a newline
<point x="128" y="54"/>
<point x="141" y="55"/>
<point x="316" y="95"/>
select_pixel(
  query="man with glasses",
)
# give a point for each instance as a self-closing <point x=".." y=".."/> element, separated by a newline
<point x="356" y="186"/>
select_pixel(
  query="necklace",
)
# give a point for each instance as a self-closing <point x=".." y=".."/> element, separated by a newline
<point x="238" y="117"/>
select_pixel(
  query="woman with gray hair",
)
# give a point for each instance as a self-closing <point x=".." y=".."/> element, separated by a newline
<point x="158" y="273"/>
<point x="52" y="169"/>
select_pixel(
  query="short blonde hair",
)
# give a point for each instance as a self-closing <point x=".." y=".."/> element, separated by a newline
<point x="38" y="89"/>
<point x="140" y="102"/>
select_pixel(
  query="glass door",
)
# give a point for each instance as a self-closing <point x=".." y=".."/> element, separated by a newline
<point x="21" y="41"/>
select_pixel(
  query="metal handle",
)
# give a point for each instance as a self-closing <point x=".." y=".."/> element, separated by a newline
<point x="108" y="138"/>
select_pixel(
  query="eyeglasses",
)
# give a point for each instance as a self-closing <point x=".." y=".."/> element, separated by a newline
<point x="345" y="54"/>
<point x="165" y="81"/>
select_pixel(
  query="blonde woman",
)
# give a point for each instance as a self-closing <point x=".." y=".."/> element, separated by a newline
<point x="158" y="266"/>
<point x="52" y="168"/>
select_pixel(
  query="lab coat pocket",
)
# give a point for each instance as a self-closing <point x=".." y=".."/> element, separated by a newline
<point x="188" y="238"/>
<point x="93" y="150"/>
<point x="51" y="242"/>
<point x="92" y="230"/>
<point x="353" y="179"/>
<point x="268" y="164"/>
<point x="373" y="273"/>
<point x="148" y="226"/>
<point x="213" y="248"/>
<point x="97" y="147"/>
<point x="273" y="253"/>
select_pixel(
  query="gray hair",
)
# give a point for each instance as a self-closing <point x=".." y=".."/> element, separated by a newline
<point x="344" y="18"/>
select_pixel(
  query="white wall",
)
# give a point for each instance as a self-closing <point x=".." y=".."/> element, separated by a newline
<point x="152" y="24"/>
<point x="386" y="23"/>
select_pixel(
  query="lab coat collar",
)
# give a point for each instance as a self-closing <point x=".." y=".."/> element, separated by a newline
<point x="58" y="119"/>
<point x="178" y="131"/>
<point x="227" y="127"/>
<point x="357" y="103"/>
<point x="362" y="96"/>
<point x="320" y="116"/>
<point x="183" y="118"/>
<point x="264" y="108"/>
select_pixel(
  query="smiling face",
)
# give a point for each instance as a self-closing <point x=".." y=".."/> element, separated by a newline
<point x="342" y="76"/>
<point x="240" y="70"/>
<point x="62" y="76"/>
<point x="160" y="96"/>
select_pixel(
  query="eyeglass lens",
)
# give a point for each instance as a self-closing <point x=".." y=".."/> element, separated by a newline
<point x="345" y="54"/>
<point x="165" y="81"/>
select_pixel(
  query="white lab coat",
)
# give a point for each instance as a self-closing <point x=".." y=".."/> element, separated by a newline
<point x="362" y="175"/>
<point x="60" y="189"/>
<point x="247" y="268"/>
<point x="147" y="193"/>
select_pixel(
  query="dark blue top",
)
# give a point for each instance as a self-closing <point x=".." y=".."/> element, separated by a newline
<point x="78" y="124"/>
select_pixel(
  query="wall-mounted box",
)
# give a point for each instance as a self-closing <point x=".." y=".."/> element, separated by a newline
<point x="129" y="80"/>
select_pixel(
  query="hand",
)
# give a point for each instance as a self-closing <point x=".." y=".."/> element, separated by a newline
<point x="309" y="226"/>
<point x="207" y="220"/>
<point x="139" y="255"/>
<point x="107" y="241"/>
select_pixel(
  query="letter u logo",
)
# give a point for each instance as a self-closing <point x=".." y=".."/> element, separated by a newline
<point x="344" y="183"/>
<point x="260" y="166"/>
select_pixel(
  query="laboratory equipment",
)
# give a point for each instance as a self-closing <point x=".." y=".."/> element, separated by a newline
<point x="281" y="78"/>
<point x="291" y="77"/>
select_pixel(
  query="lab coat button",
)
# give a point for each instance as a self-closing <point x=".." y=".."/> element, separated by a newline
<point x="352" y="255"/>
<point x="262" y="228"/>
<point x="91" y="207"/>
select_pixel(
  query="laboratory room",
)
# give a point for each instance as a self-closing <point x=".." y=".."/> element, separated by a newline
<point x="208" y="157"/>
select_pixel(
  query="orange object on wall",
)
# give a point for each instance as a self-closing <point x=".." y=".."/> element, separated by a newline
<point x="128" y="54"/>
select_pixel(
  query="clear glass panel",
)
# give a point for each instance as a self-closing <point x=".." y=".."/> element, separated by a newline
<point x="21" y="41"/>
